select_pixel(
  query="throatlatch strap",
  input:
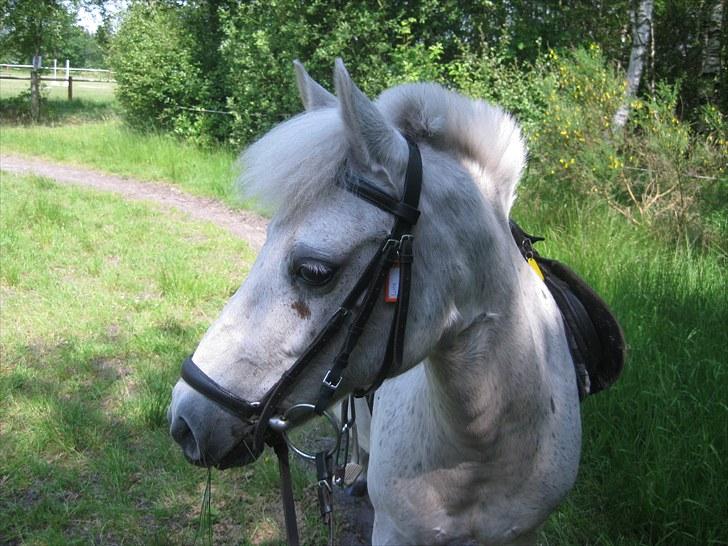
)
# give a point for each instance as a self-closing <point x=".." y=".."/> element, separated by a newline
<point x="395" y="345"/>
<point x="401" y="234"/>
<point x="356" y="328"/>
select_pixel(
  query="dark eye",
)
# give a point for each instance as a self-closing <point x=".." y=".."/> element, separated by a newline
<point x="315" y="273"/>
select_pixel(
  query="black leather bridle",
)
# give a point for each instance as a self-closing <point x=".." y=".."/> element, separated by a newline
<point x="396" y="249"/>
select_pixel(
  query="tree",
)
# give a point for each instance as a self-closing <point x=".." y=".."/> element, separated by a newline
<point x="641" y="32"/>
<point x="34" y="27"/>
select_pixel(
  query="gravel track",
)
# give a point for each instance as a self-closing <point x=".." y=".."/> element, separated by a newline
<point x="246" y="225"/>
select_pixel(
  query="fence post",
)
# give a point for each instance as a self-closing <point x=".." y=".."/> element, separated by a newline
<point x="55" y="68"/>
<point x="35" y="89"/>
<point x="68" y="69"/>
<point x="70" y="87"/>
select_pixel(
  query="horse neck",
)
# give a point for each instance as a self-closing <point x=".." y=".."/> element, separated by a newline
<point x="491" y="370"/>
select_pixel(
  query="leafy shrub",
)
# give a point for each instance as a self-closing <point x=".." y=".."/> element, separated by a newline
<point x="156" y="77"/>
<point x="658" y="172"/>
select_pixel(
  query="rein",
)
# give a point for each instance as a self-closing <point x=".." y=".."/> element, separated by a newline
<point x="394" y="256"/>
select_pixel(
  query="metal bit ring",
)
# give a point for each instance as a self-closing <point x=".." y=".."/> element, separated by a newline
<point x="282" y="424"/>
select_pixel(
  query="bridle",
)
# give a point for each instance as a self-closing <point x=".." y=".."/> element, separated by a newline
<point x="394" y="253"/>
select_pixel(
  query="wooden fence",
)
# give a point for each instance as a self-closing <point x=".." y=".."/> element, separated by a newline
<point x="36" y="74"/>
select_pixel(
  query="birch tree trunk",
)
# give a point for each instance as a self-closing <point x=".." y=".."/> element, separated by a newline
<point x="711" y="64"/>
<point x="641" y="15"/>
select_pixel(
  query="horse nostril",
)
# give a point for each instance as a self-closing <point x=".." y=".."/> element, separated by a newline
<point x="183" y="435"/>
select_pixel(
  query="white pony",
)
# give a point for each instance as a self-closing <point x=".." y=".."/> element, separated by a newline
<point x="477" y="438"/>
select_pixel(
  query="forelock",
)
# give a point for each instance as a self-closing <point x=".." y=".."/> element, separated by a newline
<point x="295" y="162"/>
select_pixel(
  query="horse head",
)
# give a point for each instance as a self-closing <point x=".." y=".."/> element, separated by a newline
<point x="322" y="238"/>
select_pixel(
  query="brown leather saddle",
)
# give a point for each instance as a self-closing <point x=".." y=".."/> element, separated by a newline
<point x="596" y="340"/>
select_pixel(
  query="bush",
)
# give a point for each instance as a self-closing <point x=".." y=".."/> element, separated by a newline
<point x="151" y="57"/>
<point x="657" y="172"/>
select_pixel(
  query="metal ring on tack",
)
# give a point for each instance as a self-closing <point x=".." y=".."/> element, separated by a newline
<point x="281" y="424"/>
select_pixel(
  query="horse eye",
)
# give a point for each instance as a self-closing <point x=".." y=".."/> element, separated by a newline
<point x="315" y="273"/>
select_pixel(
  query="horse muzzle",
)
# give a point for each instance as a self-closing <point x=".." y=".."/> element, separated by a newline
<point x="208" y="434"/>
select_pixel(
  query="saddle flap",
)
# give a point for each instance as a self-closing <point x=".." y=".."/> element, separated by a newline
<point x="604" y="360"/>
<point x="595" y="338"/>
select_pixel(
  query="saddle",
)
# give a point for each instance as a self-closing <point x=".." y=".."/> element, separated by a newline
<point x="595" y="339"/>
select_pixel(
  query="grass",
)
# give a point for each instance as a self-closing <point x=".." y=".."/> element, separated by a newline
<point x="89" y="132"/>
<point x="111" y="146"/>
<point x="101" y="300"/>
<point x="96" y="314"/>
<point x="93" y="92"/>
<point x="652" y="467"/>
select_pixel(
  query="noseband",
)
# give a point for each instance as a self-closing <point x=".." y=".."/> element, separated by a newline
<point x="395" y="250"/>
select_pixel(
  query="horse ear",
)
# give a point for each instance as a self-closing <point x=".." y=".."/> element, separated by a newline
<point x="374" y="141"/>
<point x="313" y="95"/>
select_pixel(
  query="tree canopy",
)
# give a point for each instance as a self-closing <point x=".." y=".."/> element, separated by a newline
<point x="47" y="28"/>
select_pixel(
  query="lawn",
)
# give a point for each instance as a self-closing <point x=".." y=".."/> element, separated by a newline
<point x="99" y="92"/>
<point x="113" y="147"/>
<point x="101" y="300"/>
<point x="88" y="131"/>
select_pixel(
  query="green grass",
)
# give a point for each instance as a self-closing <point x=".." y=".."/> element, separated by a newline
<point x="101" y="300"/>
<point x="98" y="92"/>
<point x="91" y="102"/>
<point x="88" y="131"/>
<point x="653" y="462"/>
<point x="113" y="147"/>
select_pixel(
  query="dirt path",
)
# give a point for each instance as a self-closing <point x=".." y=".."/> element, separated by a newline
<point x="244" y="224"/>
<point x="355" y="515"/>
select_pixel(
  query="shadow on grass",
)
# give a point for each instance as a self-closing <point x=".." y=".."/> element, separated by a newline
<point x="652" y="443"/>
<point x="87" y="455"/>
<point x="53" y="111"/>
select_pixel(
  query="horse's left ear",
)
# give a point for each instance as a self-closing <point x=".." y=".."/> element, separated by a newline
<point x="374" y="141"/>
<point x="313" y="95"/>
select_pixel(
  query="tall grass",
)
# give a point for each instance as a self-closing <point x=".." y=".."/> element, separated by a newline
<point x="654" y="444"/>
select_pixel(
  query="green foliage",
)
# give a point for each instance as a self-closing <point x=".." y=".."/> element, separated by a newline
<point x="47" y="28"/>
<point x="659" y="171"/>
<point x="29" y="27"/>
<point x="82" y="49"/>
<point x="151" y="57"/>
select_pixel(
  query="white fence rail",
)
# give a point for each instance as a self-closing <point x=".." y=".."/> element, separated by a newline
<point x="67" y="69"/>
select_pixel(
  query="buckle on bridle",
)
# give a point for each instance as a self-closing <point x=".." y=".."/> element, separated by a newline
<point x="327" y="383"/>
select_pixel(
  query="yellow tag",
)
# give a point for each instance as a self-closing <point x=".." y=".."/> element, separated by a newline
<point x="535" y="267"/>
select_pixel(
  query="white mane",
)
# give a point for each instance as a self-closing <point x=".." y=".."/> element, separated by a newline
<point x="485" y="137"/>
<point x="300" y="158"/>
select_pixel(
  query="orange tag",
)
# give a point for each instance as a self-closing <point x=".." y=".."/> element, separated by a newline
<point x="391" y="289"/>
<point x="535" y="267"/>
